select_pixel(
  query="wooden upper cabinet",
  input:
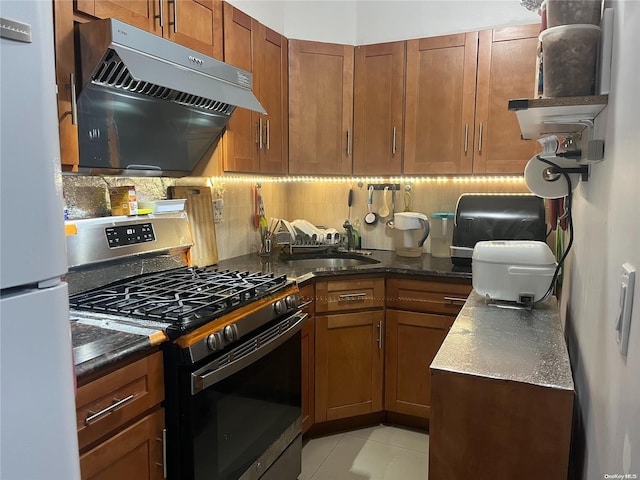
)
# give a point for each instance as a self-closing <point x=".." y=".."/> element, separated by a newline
<point x="457" y="91"/>
<point x="440" y="98"/>
<point x="65" y="73"/>
<point x="196" y="24"/>
<point x="506" y="70"/>
<point x="378" y="109"/>
<point x="320" y="108"/>
<point x="241" y="138"/>
<point x="272" y="82"/>
<point x="256" y="143"/>
<point x="144" y="14"/>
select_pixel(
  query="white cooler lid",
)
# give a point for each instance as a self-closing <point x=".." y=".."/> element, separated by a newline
<point x="513" y="252"/>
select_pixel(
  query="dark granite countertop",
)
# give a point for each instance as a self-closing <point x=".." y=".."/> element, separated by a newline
<point x="514" y="345"/>
<point x="99" y="341"/>
<point x="388" y="262"/>
<point x="102" y="340"/>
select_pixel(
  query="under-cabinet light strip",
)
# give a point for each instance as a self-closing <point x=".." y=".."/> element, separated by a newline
<point x="365" y="180"/>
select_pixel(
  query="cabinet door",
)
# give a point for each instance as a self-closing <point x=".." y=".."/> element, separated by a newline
<point x="506" y="70"/>
<point x="241" y="137"/>
<point x="413" y="339"/>
<point x="196" y="24"/>
<point x="136" y="453"/>
<point x="440" y="97"/>
<point x="271" y="77"/>
<point x="65" y="72"/>
<point x="144" y="14"/>
<point x="349" y="363"/>
<point x="378" y="103"/>
<point x="320" y="108"/>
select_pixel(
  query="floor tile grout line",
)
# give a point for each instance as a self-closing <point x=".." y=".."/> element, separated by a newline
<point x="328" y="455"/>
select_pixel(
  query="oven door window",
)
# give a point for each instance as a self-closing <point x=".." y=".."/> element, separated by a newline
<point x="232" y="422"/>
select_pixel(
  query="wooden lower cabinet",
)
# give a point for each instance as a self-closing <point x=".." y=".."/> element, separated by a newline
<point x="349" y="364"/>
<point x="133" y="454"/>
<point x="120" y="422"/>
<point x="420" y="312"/>
<point x="413" y="339"/>
<point x="368" y="359"/>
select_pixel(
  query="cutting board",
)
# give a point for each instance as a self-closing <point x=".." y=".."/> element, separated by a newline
<point x="200" y="212"/>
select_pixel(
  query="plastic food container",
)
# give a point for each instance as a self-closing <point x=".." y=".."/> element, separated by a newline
<point x="441" y="233"/>
<point x="567" y="12"/>
<point x="570" y="60"/>
<point x="512" y="270"/>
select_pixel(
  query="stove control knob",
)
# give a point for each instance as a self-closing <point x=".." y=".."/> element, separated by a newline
<point x="230" y="333"/>
<point x="214" y="342"/>
<point x="280" y="307"/>
<point x="292" y="301"/>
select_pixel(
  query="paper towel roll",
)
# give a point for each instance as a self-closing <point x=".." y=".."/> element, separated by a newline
<point x="534" y="177"/>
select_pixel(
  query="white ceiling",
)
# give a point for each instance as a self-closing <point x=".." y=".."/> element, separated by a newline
<point x="361" y="22"/>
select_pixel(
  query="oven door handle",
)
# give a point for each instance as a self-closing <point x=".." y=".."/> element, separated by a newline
<point x="212" y="373"/>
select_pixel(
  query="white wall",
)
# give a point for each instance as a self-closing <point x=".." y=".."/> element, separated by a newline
<point x="607" y="234"/>
<point x="360" y="22"/>
<point x="384" y="21"/>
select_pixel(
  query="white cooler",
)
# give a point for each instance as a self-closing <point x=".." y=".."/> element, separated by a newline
<point x="512" y="270"/>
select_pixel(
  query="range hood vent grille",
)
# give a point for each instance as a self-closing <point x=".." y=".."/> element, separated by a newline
<point x="205" y="103"/>
<point x="113" y="73"/>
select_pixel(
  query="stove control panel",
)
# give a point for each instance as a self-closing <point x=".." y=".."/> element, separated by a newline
<point x="123" y="235"/>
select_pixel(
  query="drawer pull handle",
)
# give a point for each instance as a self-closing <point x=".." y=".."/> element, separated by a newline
<point x="352" y="296"/>
<point x="163" y="440"/>
<point x="116" y="403"/>
<point x="74" y="99"/>
<point x="455" y="299"/>
<point x="380" y="335"/>
<point x="466" y="137"/>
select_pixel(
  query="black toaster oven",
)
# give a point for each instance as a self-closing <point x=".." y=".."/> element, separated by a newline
<point x="482" y="217"/>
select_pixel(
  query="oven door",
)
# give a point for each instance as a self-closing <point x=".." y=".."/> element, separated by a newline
<point x="241" y="410"/>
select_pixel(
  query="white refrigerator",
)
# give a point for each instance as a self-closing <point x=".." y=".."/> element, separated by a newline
<point x="38" y="438"/>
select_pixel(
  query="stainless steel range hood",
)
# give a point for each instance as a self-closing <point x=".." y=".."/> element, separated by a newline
<point x="149" y="106"/>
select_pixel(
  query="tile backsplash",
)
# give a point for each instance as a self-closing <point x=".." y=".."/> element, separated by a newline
<point x="321" y="202"/>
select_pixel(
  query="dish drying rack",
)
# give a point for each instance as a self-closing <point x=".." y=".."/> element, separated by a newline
<point x="290" y="241"/>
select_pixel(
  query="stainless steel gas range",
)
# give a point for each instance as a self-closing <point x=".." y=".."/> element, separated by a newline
<point x="232" y="349"/>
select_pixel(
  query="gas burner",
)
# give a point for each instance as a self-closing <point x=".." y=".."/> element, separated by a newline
<point x="184" y="298"/>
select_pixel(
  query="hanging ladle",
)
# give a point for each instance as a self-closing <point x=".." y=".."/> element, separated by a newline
<point x="384" y="211"/>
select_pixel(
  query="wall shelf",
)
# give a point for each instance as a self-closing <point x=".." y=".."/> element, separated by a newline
<point x="540" y="117"/>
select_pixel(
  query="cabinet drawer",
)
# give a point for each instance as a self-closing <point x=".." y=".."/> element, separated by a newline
<point x="136" y="453"/>
<point x="427" y="296"/>
<point x="345" y="295"/>
<point x="307" y="299"/>
<point x="107" y="403"/>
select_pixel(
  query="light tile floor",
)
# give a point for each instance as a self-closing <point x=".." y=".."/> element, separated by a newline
<point x="375" y="453"/>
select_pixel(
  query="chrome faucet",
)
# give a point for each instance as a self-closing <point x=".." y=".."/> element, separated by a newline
<point x="350" y="237"/>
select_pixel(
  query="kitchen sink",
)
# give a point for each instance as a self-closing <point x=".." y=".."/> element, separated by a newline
<point x="328" y="259"/>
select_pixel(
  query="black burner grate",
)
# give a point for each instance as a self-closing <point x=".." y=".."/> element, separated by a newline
<point x="185" y="297"/>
